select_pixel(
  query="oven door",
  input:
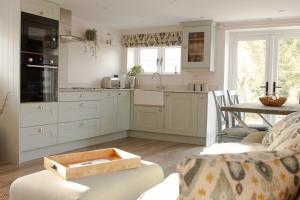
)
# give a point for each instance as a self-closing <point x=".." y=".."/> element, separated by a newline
<point x="38" y="80"/>
<point x="39" y="34"/>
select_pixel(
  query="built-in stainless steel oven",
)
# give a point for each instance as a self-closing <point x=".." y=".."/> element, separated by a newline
<point x="39" y="58"/>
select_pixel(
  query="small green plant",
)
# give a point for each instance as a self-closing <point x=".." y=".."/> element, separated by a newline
<point x="135" y="70"/>
<point x="91" y="42"/>
<point x="91" y="34"/>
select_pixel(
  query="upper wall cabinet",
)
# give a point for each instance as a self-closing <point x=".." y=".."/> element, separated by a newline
<point x="42" y="8"/>
<point x="198" y="45"/>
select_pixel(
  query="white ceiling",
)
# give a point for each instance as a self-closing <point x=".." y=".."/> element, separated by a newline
<point x="128" y="14"/>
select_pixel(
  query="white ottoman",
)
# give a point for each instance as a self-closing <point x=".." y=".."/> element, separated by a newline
<point x="121" y="185"/>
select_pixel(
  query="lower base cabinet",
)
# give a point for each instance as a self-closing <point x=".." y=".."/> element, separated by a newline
<point x="38" y="136"/>
<point x="181" y="114"/>
<point x="115" y="111"/>
<point x="72" y="131"/>
<point x="148" y="118"/>
<point x="109" y="112"/>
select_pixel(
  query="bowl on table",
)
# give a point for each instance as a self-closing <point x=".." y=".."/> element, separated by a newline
<point x="272" y="100"/>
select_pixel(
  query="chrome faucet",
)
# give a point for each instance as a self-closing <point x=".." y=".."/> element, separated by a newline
<point x="160" y="87"/>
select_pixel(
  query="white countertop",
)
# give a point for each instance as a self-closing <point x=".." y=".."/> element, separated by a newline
<point x="103" y="89"/>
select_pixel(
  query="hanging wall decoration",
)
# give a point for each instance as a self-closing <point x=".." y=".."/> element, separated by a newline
<point x="91" y="42"/>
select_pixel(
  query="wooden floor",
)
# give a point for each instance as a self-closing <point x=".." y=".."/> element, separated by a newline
<point x="166" y="154"/>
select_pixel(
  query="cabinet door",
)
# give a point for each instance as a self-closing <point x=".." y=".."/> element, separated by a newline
<point x="181" y="114"/>
<point x="109" y="112"/>
<point x="41" y="8"/>
<point x="196" y="49"/>
<point x="123" y="109"/>
<point x="202" y="115"/>
<point x="148" y="118"/>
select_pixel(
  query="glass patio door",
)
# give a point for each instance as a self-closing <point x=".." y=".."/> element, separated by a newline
<point x="287" y="69"/>
<point x="258" y="59"/>
<point x="251" y="72"/>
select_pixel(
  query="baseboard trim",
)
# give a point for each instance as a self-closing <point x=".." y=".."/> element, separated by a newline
<point x="167" y="137"/>
<point x="39" y="153"/>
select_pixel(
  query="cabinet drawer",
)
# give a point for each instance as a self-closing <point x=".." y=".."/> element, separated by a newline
<point x="74" y="111"/>
<point x="38" y="136"/>
<point x="109" y="93"/>
<point x="73" y="131"/>
<point x="34" y="114"/>
<point x="122" y="93"/>
<point x="79" y="96"/>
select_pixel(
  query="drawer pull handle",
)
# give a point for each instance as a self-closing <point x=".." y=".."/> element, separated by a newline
<point x="53" y="166"/>
<point x="40" y="107"/>
<point x="81" y="124"/>
<point x="120" y="93"/>
<point x="41" y="130"/>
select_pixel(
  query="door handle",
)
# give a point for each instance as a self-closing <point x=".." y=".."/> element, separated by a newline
<point x="157" y="61"/>
<point x="266" y="86"/>
<point x="161" y="61"/>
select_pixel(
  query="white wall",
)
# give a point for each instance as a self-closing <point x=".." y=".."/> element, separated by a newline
<point x="9" y="79"/>
<point x="80" y="69"/>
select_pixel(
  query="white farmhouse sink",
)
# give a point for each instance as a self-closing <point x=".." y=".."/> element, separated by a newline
<point x="148" y="97"/>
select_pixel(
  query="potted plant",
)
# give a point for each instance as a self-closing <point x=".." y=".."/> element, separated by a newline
<point x="91" y="41"/>
<point x="133" y="72"/>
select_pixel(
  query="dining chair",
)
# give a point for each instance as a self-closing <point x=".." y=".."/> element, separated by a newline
<point x="233" y="99"/>
<point x="226" y="132"/>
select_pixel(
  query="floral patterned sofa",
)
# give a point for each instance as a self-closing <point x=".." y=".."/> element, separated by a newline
<point x="269" y="170"/>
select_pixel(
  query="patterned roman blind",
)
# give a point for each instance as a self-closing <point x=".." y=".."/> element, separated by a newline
<point x="152" y="39"/>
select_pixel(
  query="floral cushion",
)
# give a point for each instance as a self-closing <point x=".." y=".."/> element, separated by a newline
<point x="289" y="138"/>
<point x="254" y="175"/>
<point x="277" y="129"/>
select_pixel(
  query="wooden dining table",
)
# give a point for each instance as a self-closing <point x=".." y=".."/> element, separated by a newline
<point x="260" y="110"/>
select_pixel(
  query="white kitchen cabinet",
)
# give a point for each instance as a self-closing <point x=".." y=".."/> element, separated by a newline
<point x="148" y="118"/>
<point x="198" y="45"/>
<point x="42" y="8"/>
<point x="79" y="110"/>
<point x="38" y="136"/>
<point x="109" y="109"/>
<point x="34" y="114"/>
<point x="116" y="111"/>
<point x="72" y="131"/>
<point x="206" y="116"/>
<point x="79" y="96"/>
<point x="123" y="110"/>
<point x="181" y="113"/>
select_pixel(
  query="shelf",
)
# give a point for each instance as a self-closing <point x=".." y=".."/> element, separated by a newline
<point x="70" y="38"/>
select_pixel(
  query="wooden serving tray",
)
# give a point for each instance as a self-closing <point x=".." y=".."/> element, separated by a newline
<point x="90" y="163"/>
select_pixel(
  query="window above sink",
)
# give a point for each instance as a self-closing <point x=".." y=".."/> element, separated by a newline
<point x="164" y="60"/>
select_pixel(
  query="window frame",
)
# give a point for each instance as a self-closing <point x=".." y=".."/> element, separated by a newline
<point x="161" y="54"/>
<point x="271" y="37"/>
